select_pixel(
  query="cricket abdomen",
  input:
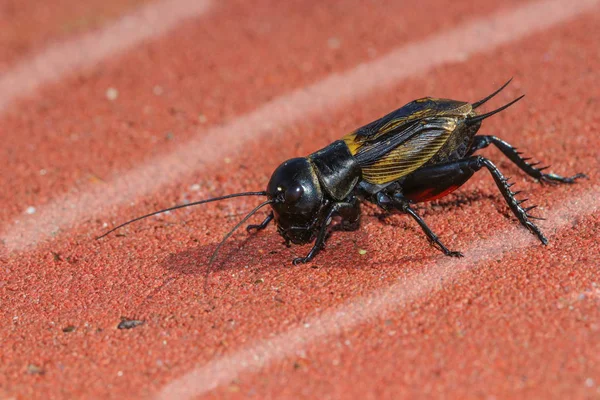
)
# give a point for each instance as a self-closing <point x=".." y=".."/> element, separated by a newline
<point x="458" y="144"/>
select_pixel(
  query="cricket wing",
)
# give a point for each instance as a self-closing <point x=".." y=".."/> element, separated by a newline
<point x="394" y="156"/>
<point x="398" y="122"/>
<point x="402" y="141"/>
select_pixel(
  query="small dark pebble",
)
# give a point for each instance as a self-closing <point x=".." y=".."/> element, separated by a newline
<point x="56" y="256"/>
<point x="69" y="329"/>
<point x="129" y="323"/>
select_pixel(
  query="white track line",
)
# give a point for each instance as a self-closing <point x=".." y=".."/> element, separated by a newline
<point x="332" y="323"/>
<point x="455" y="45"/>
<point x="58" y="60"/>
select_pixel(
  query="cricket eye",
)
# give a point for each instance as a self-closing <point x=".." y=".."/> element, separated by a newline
<point x="293" y="194"/>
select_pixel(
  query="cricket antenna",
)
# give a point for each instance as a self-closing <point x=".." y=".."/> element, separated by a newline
<point x="482" y="101"/>
<point x="229" y="196"/>
<point x="479" y="118"/>
<point x="242" y="222"/>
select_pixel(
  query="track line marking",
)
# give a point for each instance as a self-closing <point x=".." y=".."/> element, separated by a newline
<point x="351" y="315"/>
<point x="58" y="60"/>
<point x="454" y="45"/>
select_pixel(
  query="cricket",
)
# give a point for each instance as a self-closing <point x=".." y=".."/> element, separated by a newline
<point x="417" y="153"/>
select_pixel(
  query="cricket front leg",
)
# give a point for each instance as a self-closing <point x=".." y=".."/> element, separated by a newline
<point x="350" y="213"/>
<point x="262" y="225"/>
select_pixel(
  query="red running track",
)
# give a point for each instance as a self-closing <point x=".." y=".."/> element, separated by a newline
<point x="217" y="101"/>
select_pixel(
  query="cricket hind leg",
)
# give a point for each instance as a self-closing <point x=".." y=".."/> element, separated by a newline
<point x="480" y="142"/>
<point x="475" y="163"/>
<point x="398" y="202"/>
<point x="440" y="177"/>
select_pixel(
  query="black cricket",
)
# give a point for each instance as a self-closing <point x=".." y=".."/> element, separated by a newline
<point x="420" y="152"/>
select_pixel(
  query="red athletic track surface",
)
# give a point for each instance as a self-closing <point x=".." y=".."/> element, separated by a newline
<point x="29" y="26"/>
<point x="512" y="319"/>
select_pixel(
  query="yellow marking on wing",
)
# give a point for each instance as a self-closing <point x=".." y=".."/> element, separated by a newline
<point x="352" y="144"/>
